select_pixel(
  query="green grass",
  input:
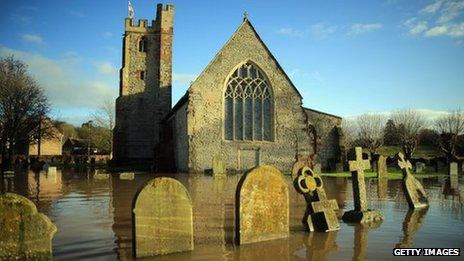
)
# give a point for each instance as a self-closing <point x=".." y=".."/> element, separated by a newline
<point x="421" y="151"/>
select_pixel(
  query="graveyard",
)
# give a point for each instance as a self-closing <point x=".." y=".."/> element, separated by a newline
<point x="226" y="134"/>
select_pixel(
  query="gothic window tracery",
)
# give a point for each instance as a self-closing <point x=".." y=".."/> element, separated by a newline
<point x="248" y="103"/>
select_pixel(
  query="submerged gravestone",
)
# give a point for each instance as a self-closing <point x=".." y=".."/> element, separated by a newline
<point x="127" y="176"/>
<point x="163" y="218"/>
<point x="361" y="212"/>
<point x="453" y="175"/>
<point x="24" y="232"/>
<point x="320" y="212"/>
<point x="262" y="206"/>
<point x="382" y="171"/>
<point x="219" y="166"/>
<point x="420" y="167"/>
<point x="412" y="188"/>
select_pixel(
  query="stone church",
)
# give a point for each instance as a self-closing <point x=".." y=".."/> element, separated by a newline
<point x="243" y="108"/>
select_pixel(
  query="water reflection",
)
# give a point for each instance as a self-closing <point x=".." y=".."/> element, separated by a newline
<point x="361" y="231"/>
<point x="411" y="224"/>
<point x="93" y="213"/>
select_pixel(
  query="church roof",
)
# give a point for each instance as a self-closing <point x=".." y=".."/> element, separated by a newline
<point x="246" y="22"/>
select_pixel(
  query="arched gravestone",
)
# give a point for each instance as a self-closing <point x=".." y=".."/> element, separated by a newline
<point x="163" y="218"/>
<point x="262" y="206"/>
<point x="24" y="232"/>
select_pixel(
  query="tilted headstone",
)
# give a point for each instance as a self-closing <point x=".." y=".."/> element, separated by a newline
<point x="412" y="188"/>
<point x="382" y="171"/>
<point x="361" y="213"/>
<point x="262" y="206"/>
<point x="219" y="166"/>
<point x="24" y="232"/>
<point x="320" y="212"/>
<point x="420" y="167"/>
<point x="163" y="218"/>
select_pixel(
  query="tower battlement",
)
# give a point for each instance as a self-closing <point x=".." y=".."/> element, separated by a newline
<point x="162" y="23"/>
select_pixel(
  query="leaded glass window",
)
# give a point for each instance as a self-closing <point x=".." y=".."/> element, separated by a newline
<point x="248" y="105"/>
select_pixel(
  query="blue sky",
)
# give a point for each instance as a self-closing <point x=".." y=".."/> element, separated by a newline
<point x="345" y="57"/>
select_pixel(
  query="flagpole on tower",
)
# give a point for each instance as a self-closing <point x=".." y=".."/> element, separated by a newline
<point x="130" y="9"/>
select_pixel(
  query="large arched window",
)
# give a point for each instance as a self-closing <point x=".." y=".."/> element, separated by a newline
<point x="248" y="105"/>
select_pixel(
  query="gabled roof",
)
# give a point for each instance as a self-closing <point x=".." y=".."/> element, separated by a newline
<point x="246" y="22"/>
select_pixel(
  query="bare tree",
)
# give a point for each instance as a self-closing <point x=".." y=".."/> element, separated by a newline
<point x="104" y="117"/>
<point x="349" y="133"/>
<point x="450" y="127"/>
<point x="409" y="124"/>
<point x="23" y="105"/>
<point x="370" y="131"/>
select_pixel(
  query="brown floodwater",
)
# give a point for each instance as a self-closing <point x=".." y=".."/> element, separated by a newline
<point x="92" y="211"/>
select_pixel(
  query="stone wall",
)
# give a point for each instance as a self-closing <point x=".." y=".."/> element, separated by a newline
<point x="144" y="101"/>
<point x="181" y="139"/>
<point x="328" y="138"/>
<point x="206" y="108"/>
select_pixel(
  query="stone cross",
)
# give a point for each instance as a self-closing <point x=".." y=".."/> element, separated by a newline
<point x="357" y="168"/>
<point x="412" y="188"/>
<point x="320" y="212"/>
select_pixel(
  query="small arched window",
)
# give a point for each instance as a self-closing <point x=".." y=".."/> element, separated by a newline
<point x="143" y="44"/>
<point x="248" y="105"/>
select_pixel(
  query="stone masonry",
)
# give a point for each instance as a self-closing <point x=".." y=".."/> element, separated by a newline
<point x="145" y="86"/>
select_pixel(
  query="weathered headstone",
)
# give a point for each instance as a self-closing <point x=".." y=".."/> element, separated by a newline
<point x="320" y="212"/>
<point x="453" y="175"/>
<point x="219" y="166"/>
<point x="420" y="167"/>
<point x="51" y="170"/>
<point x="127" y="176"/>
<point x="361" y="213"/>
<point x="382" y="187"/>
<point x="382" y="171"/>
<point x="262" y="206"/>
<point x="412" y="188"/>
<point x="163" y="218"/>
<point x="24" y="232"/>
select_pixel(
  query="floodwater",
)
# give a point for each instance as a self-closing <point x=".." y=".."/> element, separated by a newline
<point x="92" y="211"/>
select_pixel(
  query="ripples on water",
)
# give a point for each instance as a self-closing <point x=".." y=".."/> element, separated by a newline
<point x="93" y="214"/>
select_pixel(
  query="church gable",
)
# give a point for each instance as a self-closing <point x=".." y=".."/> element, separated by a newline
<point x="214" y="129"/>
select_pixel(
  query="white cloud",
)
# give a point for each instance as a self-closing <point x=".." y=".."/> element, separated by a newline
<point x="66" y="86"/>
<point x="290" y="31"/>
<point x="32" y="38"/>
<point x="452" y="30"/>
<point x="432" y="8"/>
<point x="107" y="34"/>
<point x="321" y="30"/>
<point x="363" y="28"/>
<point x="183" y="77"/>
<point x="106" y="68"/>
<point x="440" y="18"/>
<point x="313" y="76"/>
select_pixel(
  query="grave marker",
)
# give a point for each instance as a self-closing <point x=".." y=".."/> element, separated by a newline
<point x="219" y="167"/>
<point x="24" y="232"/>
<point x="382" y="171"/>
<point x="320" y="212"/>
<point x="163" y="218"/>
<point x="262" y="206"/>
<point x="361" y="213"/>
<point x="412" y="188"/>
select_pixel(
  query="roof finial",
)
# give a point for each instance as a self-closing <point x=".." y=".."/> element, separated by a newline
<point x="245" y="15"/>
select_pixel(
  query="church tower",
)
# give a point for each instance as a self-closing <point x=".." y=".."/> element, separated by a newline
<point x="144" y="87"/>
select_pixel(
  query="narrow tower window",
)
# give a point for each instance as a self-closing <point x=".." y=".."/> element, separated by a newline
<point x="142" y="75"/>
<point x="143" y="44"/>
